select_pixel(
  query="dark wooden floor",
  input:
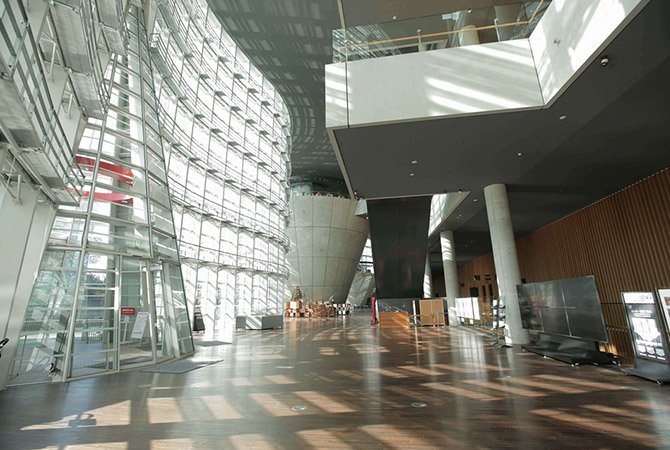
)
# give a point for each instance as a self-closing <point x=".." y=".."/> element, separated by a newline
<point x="358" y="384"/>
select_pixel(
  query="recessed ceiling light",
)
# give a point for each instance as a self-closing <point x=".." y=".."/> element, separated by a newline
<point x="519" y="154"/>
<point x="414" y="161"/>
<point x="411" y="174"/>
<point x="563" y="117"/>
<point x="475" y="199"/>
<point x="395" y="17"/>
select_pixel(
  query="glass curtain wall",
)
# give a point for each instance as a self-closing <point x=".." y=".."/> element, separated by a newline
<point x="225" y="130"/>
<point x="185" y="201"/>
<point x="109" y="292"/>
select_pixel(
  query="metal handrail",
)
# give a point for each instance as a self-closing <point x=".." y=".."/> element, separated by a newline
<point x="422" y="37"/>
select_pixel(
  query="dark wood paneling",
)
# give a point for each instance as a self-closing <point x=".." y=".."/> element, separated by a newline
<point x="624" y="240"/>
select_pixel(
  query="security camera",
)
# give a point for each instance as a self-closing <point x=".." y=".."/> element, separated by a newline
<point x="604" y="61"/>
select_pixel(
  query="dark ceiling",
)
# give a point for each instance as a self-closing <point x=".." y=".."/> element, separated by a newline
<point x="616" y="133"/>
<point x="290" y="41"/>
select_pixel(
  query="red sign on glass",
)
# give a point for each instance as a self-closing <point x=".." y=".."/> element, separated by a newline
<point x="127" y="311"/>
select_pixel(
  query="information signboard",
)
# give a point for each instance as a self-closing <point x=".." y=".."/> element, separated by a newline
<point x="140" y="325"/>
<point x="646" y="328"/>
<point x="664" y="297"/>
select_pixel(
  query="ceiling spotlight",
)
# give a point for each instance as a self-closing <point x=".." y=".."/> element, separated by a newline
<point x="563" y="117"/>
<point x="411" y="174"/>
<point x="604" y="61"/>
<point x="395" y="17"/>
<point x="475" y="199"/>
<point x="414" y="161"/>
<point x="519" y="154"/>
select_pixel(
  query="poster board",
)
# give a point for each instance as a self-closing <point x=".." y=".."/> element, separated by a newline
<point x="140" y="325"/>
<point x="646" y="328"/>
<point x="664" y="299"/>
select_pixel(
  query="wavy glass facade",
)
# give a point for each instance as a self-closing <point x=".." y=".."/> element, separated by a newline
<point x="226" y="144"/>
<point x="185" y="160"/>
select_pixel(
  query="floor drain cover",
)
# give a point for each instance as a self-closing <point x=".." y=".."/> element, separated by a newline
<point x="419" y="404"/>
<point x="299" y="408"/>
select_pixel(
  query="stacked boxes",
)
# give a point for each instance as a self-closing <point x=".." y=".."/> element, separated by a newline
<point x="327" y="309"/>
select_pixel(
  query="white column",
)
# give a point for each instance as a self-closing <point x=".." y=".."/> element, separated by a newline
<point x="427" y="278"/>
<point x="450" y="273"/>
<point x="505" y="258"/>
<point x="468" y="36"/>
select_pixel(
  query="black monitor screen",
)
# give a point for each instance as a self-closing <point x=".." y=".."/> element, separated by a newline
<point x="580" y="293"/>
<point x="554" y="320"/>
<point x="587" y="324"/>
<point x="568" y="307"/>
<point x="530" y="318"/>
<point x="550" y="294"/>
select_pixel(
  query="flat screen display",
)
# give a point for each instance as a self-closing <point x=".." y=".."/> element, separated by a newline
<point x="582" y="324"/>
<point x="569" y="307"/>
<point x="555" y="320"/>
<point x="527" y="295"/>
<point x="530" y="318"/>
<point x="550" y="294"/>
<point x="580" y="293"/>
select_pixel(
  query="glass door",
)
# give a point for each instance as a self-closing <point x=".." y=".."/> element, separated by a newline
<point x="163" y="342"/>
<point x="136" y="343"/>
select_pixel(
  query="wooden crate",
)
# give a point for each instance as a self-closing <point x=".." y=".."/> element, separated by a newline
<point x="431" y="307"/>
<point x="393" y="319"/>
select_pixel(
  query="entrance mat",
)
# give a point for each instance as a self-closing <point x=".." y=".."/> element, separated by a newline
<point x="182" y="366"/>
<point x="210" y="343"/>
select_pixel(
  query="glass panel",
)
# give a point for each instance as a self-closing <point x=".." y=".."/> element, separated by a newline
<point x="136" y="342"/>
<point x="41" y="346"/>
<point x="94" y="348"/>
<point x="181" y="318"/>
<point x="163" y="344"/>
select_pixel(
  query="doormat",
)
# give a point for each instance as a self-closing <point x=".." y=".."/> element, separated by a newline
<point x="181" y="366"/>
<point x="209" y="343"/>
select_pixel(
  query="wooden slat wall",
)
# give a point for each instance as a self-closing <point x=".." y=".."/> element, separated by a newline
<point x="481" y="266"/>
<point x="624" y="240"/>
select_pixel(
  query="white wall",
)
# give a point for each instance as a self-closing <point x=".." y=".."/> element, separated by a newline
<point x="459" y="81"/>
<point x="571" y="33"/>
<point x="477" y="79"/>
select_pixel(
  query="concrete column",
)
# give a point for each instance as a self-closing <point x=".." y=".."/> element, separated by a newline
<point x="450" y="273"/>
<point x="468" y="36"/>
<point x="505" y="258"/>
<point x="427" y="279"/>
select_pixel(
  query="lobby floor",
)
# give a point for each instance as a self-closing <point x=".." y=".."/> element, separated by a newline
<point x="357" y="384"/>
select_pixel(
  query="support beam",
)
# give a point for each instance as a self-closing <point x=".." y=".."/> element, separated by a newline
<point x="450" y="273"/>
<point x="505" y="258"/>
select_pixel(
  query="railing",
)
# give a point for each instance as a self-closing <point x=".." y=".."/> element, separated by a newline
<point x="318" y="194"/>
<point x="29" y="79"/>
<point x="198" y="254"/>
<point x="210" y="161"/>
<point x="484" y="314"/>
<point x="195" y="201"/>
<point x="454" y="29"/>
